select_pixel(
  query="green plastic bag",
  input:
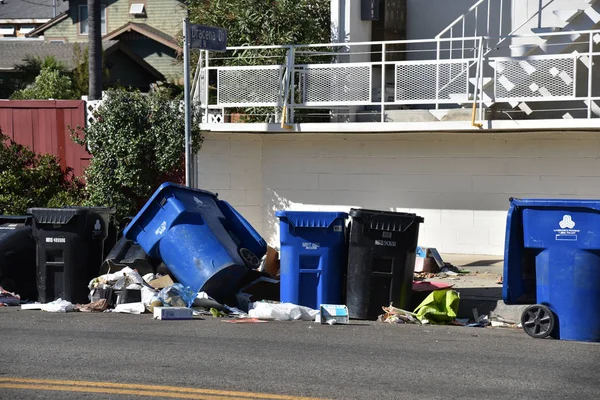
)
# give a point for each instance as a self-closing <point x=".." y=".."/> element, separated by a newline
<point x="440" y="307"/>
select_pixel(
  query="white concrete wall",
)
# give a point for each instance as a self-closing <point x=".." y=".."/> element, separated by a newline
<point x="460" y="183"/>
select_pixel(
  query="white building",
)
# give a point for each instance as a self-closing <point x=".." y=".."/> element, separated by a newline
<point x="480" y="104"/>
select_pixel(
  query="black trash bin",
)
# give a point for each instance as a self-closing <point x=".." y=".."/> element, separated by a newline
<point x="381" y="261"/>
<point x="17" y="256"/>
<point x="70" y="249"/>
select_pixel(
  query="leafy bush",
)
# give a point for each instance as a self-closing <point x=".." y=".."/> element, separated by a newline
<point x="49" y="84"/>
<point x="137" y="142"/>
<point x="28" y="179"/>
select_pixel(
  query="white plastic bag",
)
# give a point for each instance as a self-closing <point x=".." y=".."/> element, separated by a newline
<point x="281" y="312"/>
<point x="130" y="308"/>
<point x="58" y="305"/>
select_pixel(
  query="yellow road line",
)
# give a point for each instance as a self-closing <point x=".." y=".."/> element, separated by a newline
<point x="71" y="385"/>
<point x="146" y="393"/>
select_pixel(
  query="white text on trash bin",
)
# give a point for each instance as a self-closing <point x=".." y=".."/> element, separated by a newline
<point x="56" y="240"/>
<point x="311" y="246"/>
<point x="388" y="243"/>
<point x="566" y="231"/>
<point x="161" y="229"/>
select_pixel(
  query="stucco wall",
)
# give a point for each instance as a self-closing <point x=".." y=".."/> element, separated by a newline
<point x="460" y="183"/>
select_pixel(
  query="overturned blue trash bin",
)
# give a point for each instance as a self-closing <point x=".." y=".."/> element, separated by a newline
<point x="552" y="261"/>
<point x="206" y="244"/>
<point x="312" y="257"/>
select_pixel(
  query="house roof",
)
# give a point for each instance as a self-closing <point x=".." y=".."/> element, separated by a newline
<point x="48" y="24"/>
<point x="31" y="9"/>
<point x="14" y="51"/>
<point x="145" y="30"/>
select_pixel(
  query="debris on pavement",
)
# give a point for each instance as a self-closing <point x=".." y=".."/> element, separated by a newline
<point x="440" y="307"/>
<point x="333" y="314"/>
<point x="172" y="313"/>
<point x="395" y="315"/>
<point x="244" y="321"/>
<point x="96" y="306"/>
<point x="177" y="295"/>
<point x="58" y="305"/>
<point x="281" y="311"/>
<point x="8" y="298"/>
<point x="130" y="308"/>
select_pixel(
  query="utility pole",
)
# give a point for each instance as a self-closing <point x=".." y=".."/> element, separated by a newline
<point x="95" y="49"/>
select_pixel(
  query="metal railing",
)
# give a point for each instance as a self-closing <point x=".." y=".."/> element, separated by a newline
<point x="368" y="81"/>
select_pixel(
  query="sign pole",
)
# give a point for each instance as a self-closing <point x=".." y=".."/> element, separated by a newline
<point x="186" y="92"/>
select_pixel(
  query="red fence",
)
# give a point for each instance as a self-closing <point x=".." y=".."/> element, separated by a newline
<point x="43" y="126"/>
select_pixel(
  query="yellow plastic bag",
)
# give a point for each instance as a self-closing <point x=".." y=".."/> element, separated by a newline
<point x="440" y="307"/>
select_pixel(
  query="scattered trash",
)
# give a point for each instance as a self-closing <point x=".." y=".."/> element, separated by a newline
<point x="333" y="314"/>
<point x="500" y="281"/>
<point x="395" y="315"/>
<point x="217" y="313"/>
<point x="281" y="311"/>
<point x="126" y="278"/>
<point x="244" y="321"/>
<point x="161" y="283"/>
<point x="428" y="260"/>
<point x="96" y="306"/>
<point x="177" y="295"/>
<point x="8" y="298"/>
<point x="32" y="306"/>
<point x="440" y="307"/>
<point x="130" y="308"/>
<point x="421" y="286"/>
<point x="260" y="289"/>
<point x="58" y="305"/>
<point x="172" y="313"/>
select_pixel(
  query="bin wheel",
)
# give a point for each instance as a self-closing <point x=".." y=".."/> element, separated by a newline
<point x="538" y="321"/>
<point x="249" y="258"/>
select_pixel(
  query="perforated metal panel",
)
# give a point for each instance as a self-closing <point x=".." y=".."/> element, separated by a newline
<point x="416" y="82"/>
<point x="249" y="86"/>
<point x="547" y="78"/>
<point x="335" y="84"/>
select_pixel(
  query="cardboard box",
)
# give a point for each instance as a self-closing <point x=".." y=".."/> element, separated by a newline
<point x="172" y="313"/>
<point x="162" y="282"/>
<point x="272" y="263"/>
<point x="336" y="312"/>
<point x="428" y="260"/>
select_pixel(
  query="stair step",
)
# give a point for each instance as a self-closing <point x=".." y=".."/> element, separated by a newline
<point x="567" y="16"/>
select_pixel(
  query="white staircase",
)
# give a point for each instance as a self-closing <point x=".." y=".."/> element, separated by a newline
<point x="544" y="33"/>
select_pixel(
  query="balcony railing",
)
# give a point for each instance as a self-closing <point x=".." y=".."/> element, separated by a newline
<point x="467" y="78"/>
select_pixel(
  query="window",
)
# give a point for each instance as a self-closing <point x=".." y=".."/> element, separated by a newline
<point x="7" y="30"/>
<point x="83" y="20"/>
<point x="137" y="9"/>
<point x="25" y="29"/>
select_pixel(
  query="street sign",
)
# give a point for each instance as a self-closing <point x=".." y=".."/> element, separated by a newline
<point x="207" y="37"/>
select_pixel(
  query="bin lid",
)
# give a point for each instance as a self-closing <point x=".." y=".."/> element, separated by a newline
<point x="386" y="220"/>
<point x="311" y="219"/>
<point x="166" y="189"/>
<point x="15" y="220"/>
<point x="556" y="203"/>
<point x="62" y="216"/>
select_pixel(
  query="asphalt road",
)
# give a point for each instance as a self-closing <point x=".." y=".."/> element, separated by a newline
<point x="362" y="361"/>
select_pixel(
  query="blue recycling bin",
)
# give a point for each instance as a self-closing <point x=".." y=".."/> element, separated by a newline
<point x="552" y="261"/>
<point x="206" y="244"/>
<point x="312" y="257"/>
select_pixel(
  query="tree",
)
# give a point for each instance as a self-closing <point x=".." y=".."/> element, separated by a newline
<point x="49" y="84"/>
<point x="95" y="49"/>
<point x="260" y="22"/>
<point x="137" y="143"/>
<point x="28" y="179"/>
